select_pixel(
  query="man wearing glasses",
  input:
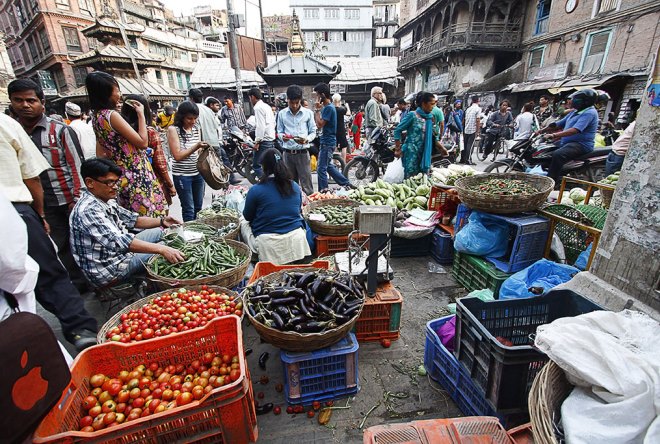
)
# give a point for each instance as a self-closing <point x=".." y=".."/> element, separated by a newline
<point x="102" y="233"/>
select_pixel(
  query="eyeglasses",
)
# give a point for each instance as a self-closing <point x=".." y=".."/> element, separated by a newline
<point x="108" y="183"/>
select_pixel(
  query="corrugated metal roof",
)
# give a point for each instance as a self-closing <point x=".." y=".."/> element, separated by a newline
<point x="357" y="71"/>
<point x="218" y="73"/>
<point x="300" y="64"/>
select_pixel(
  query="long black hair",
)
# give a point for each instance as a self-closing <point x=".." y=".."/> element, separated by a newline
<point x="129" y="114"/>
<point x="273" y="164"/>
<point x="99" y="89"/>
<point x="184" y="110"/>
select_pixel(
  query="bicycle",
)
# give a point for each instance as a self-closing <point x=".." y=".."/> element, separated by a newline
<point x="500" y="144"/>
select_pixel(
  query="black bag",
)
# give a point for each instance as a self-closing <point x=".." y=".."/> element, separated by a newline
<point x="35" y="373"/>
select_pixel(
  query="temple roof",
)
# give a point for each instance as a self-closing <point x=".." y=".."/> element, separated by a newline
<point x="113" y="53"/>
<point x="127" y="86"/>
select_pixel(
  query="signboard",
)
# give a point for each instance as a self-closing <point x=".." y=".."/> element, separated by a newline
<point x="550" y="72"/>
<point x="45" y="80"/>
<point x="338" y="88"/>
<point x="438" y="83"/>
<point x="406" y="41"/>
<point x="250" y="52"/>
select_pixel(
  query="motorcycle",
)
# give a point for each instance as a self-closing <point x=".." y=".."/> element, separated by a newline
<point x="533" y="152"/>
<point x="314" y="150"/>
<point x="239" y="147"/>
<point x="379" y="152"/>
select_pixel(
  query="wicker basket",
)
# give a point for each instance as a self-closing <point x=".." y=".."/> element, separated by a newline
<point x="228" y="279"/>
<point x="324" y="228"/>
<point x="548" y="392"/>
<point x="300" y="342"/>
<point x="504" y="204"/>
<point x="115" y="320"/>
<point x="220" y="222"/>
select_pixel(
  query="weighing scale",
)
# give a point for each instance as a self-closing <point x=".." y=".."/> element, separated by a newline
<point x="377" y="221"/>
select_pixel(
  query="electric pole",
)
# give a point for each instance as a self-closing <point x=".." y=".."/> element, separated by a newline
<point x="233" y="51"/>
<point x="127" y="43"/>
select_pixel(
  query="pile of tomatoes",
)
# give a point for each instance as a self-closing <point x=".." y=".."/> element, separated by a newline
<point x="173" y="312"/>
<point x="151" y="389"/>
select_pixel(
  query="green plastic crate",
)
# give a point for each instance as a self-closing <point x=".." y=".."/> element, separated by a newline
<point x="476" y="273"/>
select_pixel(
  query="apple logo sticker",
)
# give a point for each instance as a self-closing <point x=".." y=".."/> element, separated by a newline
<point x="29" y="388"/>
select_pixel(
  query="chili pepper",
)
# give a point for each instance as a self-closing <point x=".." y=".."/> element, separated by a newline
<point x="262" y="360"/>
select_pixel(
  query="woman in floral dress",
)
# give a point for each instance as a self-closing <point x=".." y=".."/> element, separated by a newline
<point x="420" y="138"/>
<point x="139" y="189"/>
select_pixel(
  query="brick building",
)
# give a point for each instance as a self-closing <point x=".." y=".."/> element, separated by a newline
<point x="605" y="44"/>
<point x="43" y="36"/>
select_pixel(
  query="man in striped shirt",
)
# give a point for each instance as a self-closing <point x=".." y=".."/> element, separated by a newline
<point x="61" y="182"/>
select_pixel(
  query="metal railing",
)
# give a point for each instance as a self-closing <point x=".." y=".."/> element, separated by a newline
<point x="475" y="35"/>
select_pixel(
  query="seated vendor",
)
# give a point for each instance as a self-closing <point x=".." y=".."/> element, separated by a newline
<point x="102" y="240"/>
<point x="273" y="226"/>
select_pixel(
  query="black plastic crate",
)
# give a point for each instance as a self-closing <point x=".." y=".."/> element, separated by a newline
<point x="411" y="247"/>
<point x="505" y="372"/>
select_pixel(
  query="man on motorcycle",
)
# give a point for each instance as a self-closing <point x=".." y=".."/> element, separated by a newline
<point x="578" y="130"/>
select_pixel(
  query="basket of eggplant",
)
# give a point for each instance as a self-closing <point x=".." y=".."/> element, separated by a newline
<point x="304" y="310"/>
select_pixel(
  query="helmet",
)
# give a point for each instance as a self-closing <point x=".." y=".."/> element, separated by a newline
<point x="583" y="98"/>
<point x="280" y="101"/>
<point x="603" y="97"/>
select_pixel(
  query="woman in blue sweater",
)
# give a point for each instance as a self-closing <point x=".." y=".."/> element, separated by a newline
<point x="273" y="226"/>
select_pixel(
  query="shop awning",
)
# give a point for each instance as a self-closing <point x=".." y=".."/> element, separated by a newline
<point x="127" y="86"/>
<point x="536" y="86"/>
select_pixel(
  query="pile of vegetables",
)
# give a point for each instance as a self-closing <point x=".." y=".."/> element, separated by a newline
<point x="208" y="257"/>
<point x="151" y="388"/>
<point x="305" y="302"/>
<point x="412" y="193"/>
<point x="504" y="187"/>
<point x="217" y="209"/>
<point x="323" y="196"/>
<point x="197" y="227"/>
<point x="448" y="176"/>
<point x="335" y="214"/>
<point x="575" y="196"/>
<point x="612" y="179"/>
<point x="179" y="310"/>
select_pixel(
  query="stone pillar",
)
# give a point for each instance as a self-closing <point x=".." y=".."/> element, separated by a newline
<point x="626" y="266"/>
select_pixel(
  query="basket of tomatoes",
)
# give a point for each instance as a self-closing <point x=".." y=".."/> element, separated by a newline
<point x="169" y="312"/>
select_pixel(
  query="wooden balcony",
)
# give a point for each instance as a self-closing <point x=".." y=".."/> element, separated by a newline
<point x="463" y="37"/>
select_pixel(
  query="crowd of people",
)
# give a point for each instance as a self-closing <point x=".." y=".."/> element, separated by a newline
<point x="94" y="192"/>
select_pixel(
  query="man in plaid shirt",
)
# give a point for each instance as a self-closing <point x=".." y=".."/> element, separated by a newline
<point x="59" y="145"/>
<point x="101" y="231"/>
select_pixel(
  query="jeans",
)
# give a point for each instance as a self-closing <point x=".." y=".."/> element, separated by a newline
<point x="136" y="265"/>
<point x="561" y="156"/>
<point x="256" y="157"/>
<point x="190" y="190"/>
<point x="54" y="289"/>
<point x="326" y="166"/>
<point x="613" y="163"/>
<point x="223" y="155"/>
<point x="300" y="168"/>
<point x="58" y="219"/>
<point x="468" y="140"/>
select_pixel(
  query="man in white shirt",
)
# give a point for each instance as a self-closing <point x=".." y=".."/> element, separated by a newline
<point x="620" y="147"/>
<point x="471" y="130"/>
<point x="85" y="132"/>
<point x="264" y="133"/>
<point x="526" y="123"/>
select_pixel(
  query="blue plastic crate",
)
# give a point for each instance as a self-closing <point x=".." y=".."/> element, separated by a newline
<point x="443" y="367"/>
<point x="462" y="214"/>
<point x="322" y="375"/>
<point x="410" y="247"/>
<point x="527" y="238"/>
<point x="442" y="247"/>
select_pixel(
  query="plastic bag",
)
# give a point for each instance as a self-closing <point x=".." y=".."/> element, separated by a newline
<point x="537" y="279"/>
<point x="583" y="258"/>
<point x="235" y="200"/>
<point x="394" y="172"/>
<point x="447" y="332"/>
<point x="483" y="236"/>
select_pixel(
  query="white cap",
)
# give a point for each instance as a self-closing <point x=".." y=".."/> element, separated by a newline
<point x="72" y="109"/>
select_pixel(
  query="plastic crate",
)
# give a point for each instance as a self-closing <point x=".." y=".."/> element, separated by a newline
<point x="322" y="375"/>
<point x="527" y="239"/>
<point x="462" y="214"/>
<point x="521" y="434"/>
<point x="401" y="247"/>
<point x="443" y="201"/>
<point x="265" y="268"/>
<point x="381" y="315"/>
<point x="469" y="430"/>
<point x="225" y="415"/>
<point x="505" y="373"/>
<point x="476" y="273"/>
<point x="329" y="245"/>
<point x="443" y="367"/>
<point x="442" y="247"/>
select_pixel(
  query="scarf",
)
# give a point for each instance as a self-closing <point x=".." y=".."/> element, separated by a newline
<point x="425" y="165"/>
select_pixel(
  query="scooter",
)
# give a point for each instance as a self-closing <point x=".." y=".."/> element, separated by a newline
<point x="533" y="152"/>
<point x="239" y="147"/>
